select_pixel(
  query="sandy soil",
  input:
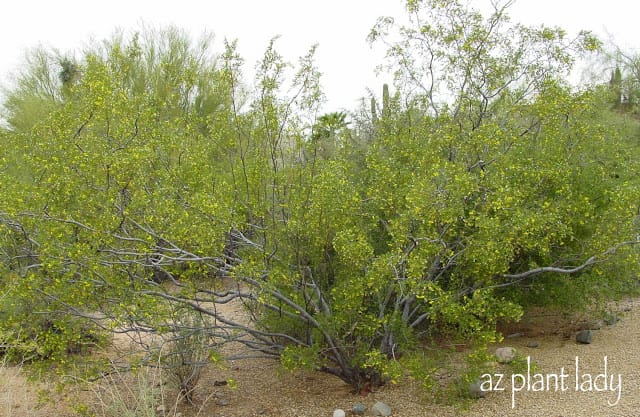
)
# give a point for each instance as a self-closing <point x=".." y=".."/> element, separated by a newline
<point x="550" y="389"/>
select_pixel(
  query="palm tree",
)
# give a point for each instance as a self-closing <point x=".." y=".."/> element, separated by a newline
<point x="327" y="133"/>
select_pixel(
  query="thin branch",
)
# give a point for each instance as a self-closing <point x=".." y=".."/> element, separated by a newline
<point x="589" y="262"/>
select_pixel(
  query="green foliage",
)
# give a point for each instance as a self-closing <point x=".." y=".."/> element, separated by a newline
<point x="97" y="182"/>
<point x="31" y="328"/>
<point x="36" y="92"/>
<point x="485" y="185"/>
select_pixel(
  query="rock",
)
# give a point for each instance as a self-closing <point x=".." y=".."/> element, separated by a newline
<point x="161" y="410"/>
<point x="358" y="409"/>
<point x="505" y="354"/>
<point x="222" y="402"/>
<point x="380" y="409"/>
<point x="515" y="335"/>
<point x="533" y="344"/>
<point x="611" y="319"/>
<point x="584" y="336"/>
<point x="476" y="391"/>
<point x="339" y="413"/>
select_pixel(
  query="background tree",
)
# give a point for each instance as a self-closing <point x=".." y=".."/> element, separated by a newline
<point x="625" y="78"/>
<point x="37" y="90"/>
<point x="328" y="134"/>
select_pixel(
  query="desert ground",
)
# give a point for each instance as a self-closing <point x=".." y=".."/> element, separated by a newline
<point x="566" y="379"/>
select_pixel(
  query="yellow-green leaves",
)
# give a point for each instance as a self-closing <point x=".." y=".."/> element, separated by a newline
<point x="345" y="235"/>
<point x="353" y="248"/>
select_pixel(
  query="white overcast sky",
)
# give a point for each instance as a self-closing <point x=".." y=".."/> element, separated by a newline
<point x="339" y="27"/>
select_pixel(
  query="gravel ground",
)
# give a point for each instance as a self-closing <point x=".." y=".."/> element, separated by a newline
<point x="264" y="390"/>
<point x="591" y="397"/>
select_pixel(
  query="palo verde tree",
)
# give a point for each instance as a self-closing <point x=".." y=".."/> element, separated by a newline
<point x="36" y="92"/>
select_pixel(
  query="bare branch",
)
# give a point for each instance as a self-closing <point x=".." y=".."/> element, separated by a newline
<point x="589" y="262"/>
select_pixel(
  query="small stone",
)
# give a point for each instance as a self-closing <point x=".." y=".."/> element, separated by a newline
<point x="476" y="391"/>
<point x="359" y="409"/>
<point x="339" y="413"/>
<point x="515" y="335"/>
<point x="222" y="402"/>
<point x="381" y="409"/>
<point x="161" y="409"/>
<point x="505" y="354"/>
<point x="584" y="336"/>
<point x="533" y="344"/>
<point x="611" y="319"/>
